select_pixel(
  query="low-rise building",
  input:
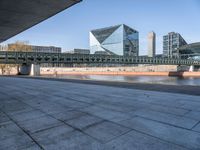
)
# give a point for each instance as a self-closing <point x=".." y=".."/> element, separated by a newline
<point x="81" y="51"/>
<point x="46" y="49"/>
<point x="190" y="51"/>
<point x="40" y="49"/>
<point x="101" y="53"/>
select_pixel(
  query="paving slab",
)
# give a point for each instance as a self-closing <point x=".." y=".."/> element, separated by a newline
<point x="197" y="127"/>
<point x="188" y="139"/>
<point x="84" y="121"/>
<point x="64" y="137"/>
<point x="17" y="142"/>
<point x="169" y="110"/>
<point x="14" y="106"/>
<point x="175" y="102"/>
<point x="193" y="114"/>
<point x="74" y="116"/>
<point x="68" y="114"/>
<point x="138" y="141"/>
<point x="52" y="108"/>
<point x="106" y="131"/>
<point x="3" y="118"/>
<point x="38" y="124"/>
<point x="116" y="106"/>
<point x="167" y="118"/>
<point x="31" y="147"/>
<point x="28" y="115"/>
<point x="9" y="129"/>
<point x="105" y="113"/>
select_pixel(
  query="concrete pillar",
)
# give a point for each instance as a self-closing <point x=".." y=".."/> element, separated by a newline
<point x="24" y="69"/>
<point x="191" y="69"/>
<point x="29" y="69"/>
<point x="35" y="70"/>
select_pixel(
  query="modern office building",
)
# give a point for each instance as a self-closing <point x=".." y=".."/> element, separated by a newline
<point x="41" y="49"/>
<point x="171" y="44"/>
<point x="115" y="40"/>
<point x="190" y="51"/>
<point x="151" y="44"/>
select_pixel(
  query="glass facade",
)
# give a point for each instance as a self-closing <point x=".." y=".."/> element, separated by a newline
<point x="115" y="40"/>
<point x="190" y="51"/>
<point x="171" y="44"/>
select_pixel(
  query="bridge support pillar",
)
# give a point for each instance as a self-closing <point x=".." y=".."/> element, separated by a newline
<point x="29" y="69"/>
<point x="35" y="70"/>
<point x="191" y="68"/>
<point x="24" y="69"/>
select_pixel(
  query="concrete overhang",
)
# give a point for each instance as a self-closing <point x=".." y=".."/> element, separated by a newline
<point x="19" y="15"/>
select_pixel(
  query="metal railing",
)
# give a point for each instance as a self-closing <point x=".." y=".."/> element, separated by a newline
<point x="8" y="57"/>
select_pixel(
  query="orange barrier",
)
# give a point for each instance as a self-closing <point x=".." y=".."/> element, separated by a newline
<point x="185" y="74"/>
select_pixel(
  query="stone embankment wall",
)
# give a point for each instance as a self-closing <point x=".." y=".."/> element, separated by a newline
<point x="156" y="70"/>
<point x="110" y="70"/>
<point x="161" y="70"/>
<point x="10" y="71"/>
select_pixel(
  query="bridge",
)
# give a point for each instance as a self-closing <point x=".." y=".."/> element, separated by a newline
<point x="30" y="61"/>
<point x="11" y="57"/>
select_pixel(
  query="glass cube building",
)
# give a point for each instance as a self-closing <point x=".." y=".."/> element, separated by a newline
<point x="115" y="40"/>
<point x="171" y="44"/>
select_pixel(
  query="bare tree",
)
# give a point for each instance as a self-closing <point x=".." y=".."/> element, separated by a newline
<point x="20" y="46"/>
<point x="3" y="67"/>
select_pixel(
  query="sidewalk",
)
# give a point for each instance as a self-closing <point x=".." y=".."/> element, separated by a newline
<point x="45" y="114"/>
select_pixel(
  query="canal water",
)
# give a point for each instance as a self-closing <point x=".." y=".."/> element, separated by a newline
<point x="138" y="79"/>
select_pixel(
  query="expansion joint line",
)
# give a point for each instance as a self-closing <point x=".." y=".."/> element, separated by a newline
<point x="29" y="135"/>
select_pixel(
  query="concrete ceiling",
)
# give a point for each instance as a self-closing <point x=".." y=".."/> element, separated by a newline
<point x="19" y="15"/>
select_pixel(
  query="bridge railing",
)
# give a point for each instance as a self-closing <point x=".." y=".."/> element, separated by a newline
<point x="9" y="57"/>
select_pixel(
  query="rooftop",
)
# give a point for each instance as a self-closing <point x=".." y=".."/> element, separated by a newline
<point x="191" y="45"/>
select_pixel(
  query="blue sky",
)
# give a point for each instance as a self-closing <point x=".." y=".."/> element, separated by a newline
<point x="70" y="28"/>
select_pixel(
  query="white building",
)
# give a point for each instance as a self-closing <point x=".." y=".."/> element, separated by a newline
<point x="151" y="44"/>
<point x="3" y="48"/>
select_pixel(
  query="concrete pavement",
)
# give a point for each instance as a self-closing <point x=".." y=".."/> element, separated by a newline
<point x="45" y="114"/>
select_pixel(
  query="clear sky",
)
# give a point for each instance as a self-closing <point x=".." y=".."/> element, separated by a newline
<point x="70" y="28"/>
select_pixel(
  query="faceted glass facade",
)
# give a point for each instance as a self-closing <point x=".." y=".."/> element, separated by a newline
<point x="171" y="44"/>
<point x="115" y="40"/>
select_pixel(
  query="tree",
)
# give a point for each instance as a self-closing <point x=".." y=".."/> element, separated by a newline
<point x="2" y="66"/>
<point x="20" y="46"/>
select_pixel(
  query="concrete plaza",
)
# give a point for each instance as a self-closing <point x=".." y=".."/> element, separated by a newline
<point x="44" y="114"/>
